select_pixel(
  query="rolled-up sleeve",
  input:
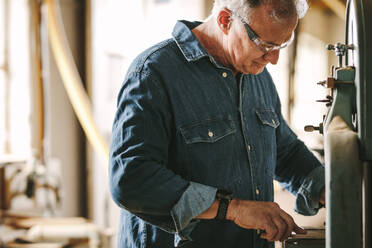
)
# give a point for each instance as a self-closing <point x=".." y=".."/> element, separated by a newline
<point x="195" y="200"/>
<point x="141" y="180"/>
<point x="308" y="196"/>
<point x="298" y="170"/>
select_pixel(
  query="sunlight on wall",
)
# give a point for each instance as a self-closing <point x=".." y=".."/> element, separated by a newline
<point x="19" y="81"/>
<point x="312" y="68"/>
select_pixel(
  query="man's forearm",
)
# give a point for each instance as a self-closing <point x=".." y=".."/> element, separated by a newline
<point x="210" y="213"/>
<point x="266" y="216"/>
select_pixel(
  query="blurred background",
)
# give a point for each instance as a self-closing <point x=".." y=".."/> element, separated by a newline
<point x="53" y="166"/>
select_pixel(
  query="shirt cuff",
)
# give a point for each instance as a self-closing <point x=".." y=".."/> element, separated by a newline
<point x="308" y="196"/>
<point x="196" y="199"/>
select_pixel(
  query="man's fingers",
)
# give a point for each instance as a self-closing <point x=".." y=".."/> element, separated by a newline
<point x="290" y="223"/>
<point x="270" y="230"/>
<point x="268" y="217"/>
<point x="299" y="230"/>
<point x="281" y="225"/>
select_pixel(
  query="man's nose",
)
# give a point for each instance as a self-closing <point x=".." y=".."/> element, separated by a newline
<point x="272" y="56"/>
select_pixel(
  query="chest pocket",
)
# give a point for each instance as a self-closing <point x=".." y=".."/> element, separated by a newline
<point x="268" y="117"/>
<point x="210" y="152"/>
<point x="208" y="131"/>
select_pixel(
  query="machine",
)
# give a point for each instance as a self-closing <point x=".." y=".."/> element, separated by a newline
<point x="347" y="130"/>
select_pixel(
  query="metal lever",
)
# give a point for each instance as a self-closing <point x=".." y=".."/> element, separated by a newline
<point x="329" y="83"/>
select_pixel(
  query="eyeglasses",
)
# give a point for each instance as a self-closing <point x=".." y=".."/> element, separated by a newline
<point x="264" y="46"/>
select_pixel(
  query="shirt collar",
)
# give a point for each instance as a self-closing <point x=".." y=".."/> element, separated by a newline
<point x="190" y="46"/>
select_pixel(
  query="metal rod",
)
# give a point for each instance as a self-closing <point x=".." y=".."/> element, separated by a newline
<point x="89" y="184"/>
<point x="37" y="89"/>
<point x="72" y="81"/>
<point x="6" y="104"/>
<point x="7" y="147"/>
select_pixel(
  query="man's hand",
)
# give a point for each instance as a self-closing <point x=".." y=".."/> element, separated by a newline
<point x="265" y="216"/>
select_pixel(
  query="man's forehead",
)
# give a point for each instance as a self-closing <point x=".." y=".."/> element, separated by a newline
<point x="260" y="13"/>
<point x="265" y="13"/>
<point x="269" y="28"/>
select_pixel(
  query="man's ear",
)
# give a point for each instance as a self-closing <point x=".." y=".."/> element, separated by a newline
<point x="224" y="20"/>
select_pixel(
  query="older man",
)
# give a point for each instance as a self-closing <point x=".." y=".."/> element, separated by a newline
<point x="199" y="136"/>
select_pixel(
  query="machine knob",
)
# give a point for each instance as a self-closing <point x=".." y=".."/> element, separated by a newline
<point x="311" y="128"/>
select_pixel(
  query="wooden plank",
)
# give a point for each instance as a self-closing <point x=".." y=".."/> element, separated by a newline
<point x="35" y="245"/>
<point x="63" y="221"/>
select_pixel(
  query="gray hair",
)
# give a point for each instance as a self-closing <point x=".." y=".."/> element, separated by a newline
<point x="282" y="9"/>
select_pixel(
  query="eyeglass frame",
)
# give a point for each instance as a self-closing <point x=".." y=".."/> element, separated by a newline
<point x="264" y="46"/>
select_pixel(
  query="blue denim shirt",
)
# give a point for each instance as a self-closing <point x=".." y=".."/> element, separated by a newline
<point x="186" y="126"/>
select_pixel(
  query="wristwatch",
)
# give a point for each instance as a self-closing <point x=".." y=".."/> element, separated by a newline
<point x="224" y="197"/>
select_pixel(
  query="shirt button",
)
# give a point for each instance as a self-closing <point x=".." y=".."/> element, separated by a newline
<point x="224" y="74"/>
<point x="257" y="192"/>
<point x="210" y="134"/>
<point x="249" y="147"/>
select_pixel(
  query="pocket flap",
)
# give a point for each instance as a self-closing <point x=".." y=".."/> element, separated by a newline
<point x="209" y="131"/>
<point x="268" y="117"/>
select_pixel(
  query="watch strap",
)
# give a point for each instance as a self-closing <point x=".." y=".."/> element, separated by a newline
<point x="224" y="197"/>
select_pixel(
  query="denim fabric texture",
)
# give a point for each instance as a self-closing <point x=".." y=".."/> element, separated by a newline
<point x="186" y="126"/>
